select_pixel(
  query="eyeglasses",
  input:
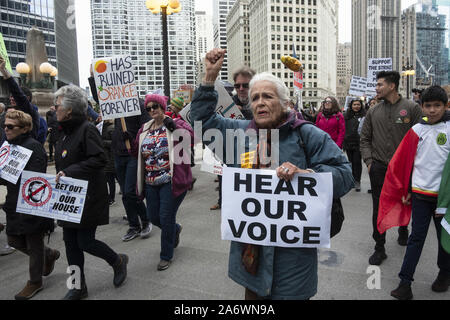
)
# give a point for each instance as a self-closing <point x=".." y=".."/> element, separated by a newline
<point x="243" y="85"/>
<point x="328" y="101"/>
<point x="153" y="107"/>
<point x="10" y="126"/>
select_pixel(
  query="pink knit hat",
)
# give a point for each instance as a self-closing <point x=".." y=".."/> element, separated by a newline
<point x="161" y="100"/>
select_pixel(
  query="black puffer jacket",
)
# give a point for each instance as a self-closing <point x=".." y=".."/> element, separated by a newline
<point x="107" y="134"/>
<point x="352" y="121"/>
<point x="80" y="155"/>
<point x="18" y="224"/>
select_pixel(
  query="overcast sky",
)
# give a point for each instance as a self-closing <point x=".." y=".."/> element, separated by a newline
<point x="83" y="20"/>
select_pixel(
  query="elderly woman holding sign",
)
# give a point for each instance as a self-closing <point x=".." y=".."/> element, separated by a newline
<point x="79" y="154"/>
<point x="274" y="272"/>
<point x="26" y="232"/>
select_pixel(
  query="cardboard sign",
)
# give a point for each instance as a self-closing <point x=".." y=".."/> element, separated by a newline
<point x="4" y="54"/>
<point x="259" y="208"/>
<point x="375" y="66"/>
<point x="358" y="86"/>
<point x="185" y="94"/>
<point x="225" y="106"/>
<point x="41" y="196"/>
<point x="13" y="160"/>
<point x="116" y="87"/>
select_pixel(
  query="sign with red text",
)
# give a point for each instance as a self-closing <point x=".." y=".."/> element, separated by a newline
<point x="13" y="160"/>
<point x="260" y="208"/>
<point x="298" y="81"/>
<point x="41" y="196"/>
<point x="116" y="87"/>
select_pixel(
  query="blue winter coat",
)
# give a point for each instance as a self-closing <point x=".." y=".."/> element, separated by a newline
<point x="283" y="273"/>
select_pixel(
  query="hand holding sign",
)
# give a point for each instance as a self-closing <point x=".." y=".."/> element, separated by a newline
<point x="287" y="171"/>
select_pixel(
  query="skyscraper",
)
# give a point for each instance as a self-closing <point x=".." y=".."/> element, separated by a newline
<point x="52" y="18"/>
<point x="238" y="37"/>
<point x="308" y="25"/>
<point x="126" y="27"/>
<point x="344" y="71"/>
<point x="221" y="8"/>
<point x="376" y="33"/>
<point x="204" y="32"/>
<point x="427" y="38"/>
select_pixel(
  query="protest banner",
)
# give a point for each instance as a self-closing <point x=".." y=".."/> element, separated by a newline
<point x="375" y="66"/>
<point x="41" y="196"/>
<point x="4" y="54"/>
<point x="185" y="94"/>
<point x="259" y="208"/>
<point x="358" y="86"/>
<point x="225" y="106"/>
<point x="116" y="87"/>
<point x="13" y="160"/>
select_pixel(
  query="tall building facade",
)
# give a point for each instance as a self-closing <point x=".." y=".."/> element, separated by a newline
<point x="126" y="27"/>
<point x="204" y="34"/>
<point x="238" y="37"/>
<point x="376" y="33"/>
<point x="344" y="71"/>
<point x="426" y="41"/>
<point x="221" y="8"/>
<point x="309" y="26"/>
<point x="51" y="17"/>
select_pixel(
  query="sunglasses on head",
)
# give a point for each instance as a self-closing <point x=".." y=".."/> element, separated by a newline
<point x="153" y="107"/>
<point x="10" y="126"/>
<point x="243" y="85"/>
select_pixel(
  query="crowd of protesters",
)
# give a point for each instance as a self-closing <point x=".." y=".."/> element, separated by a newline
<point x="153" y="184"/>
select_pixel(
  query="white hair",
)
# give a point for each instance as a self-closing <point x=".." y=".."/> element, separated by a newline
<point x="73" y="98"/>
<point x="282" y="90"/>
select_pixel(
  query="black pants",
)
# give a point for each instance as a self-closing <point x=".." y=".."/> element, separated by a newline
<point x="51" y="147"/>
<point x="33" y="246"/>
<point x="220" y="191"/>
<point x="111" y="180"/>
<point x="354" y="156"/>
<point x="78" y="241"/>
<point x="377" y="174"/>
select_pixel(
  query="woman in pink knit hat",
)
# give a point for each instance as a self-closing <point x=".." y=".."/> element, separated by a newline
<point x="163" y="176"/>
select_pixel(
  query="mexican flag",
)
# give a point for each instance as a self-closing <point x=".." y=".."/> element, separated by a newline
<point x="444" y="206"/>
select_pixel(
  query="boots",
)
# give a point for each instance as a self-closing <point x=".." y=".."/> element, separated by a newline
<point x="441" y="284"/>
<point x="403" y="292"/>
<point x="77" y="294"/>
<point x="50" y="260"/>
<point x="30" y="290"/>
<point x="120" y="270"/>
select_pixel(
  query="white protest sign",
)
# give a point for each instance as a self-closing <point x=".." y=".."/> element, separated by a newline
<point x="375" y="66"/>
<point x="259" y="208"/>
<point x="225" y="106"/>
<point x="210" y="163"/>
<point x="13" y="159"/>
<point x="100" y="127"/>
<point x="41" y="196"/>
<point x="298" y="81"/>
<point x="358" y="86"/>
<point x="116" y="87"/>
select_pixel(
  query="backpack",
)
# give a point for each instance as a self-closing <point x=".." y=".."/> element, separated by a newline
<point x="337" y="210"/>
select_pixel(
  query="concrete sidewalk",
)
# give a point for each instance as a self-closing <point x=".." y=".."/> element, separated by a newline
<point x="200" y="266"/>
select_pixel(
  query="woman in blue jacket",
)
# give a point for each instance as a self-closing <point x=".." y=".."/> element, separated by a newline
<point x="280" y="273"/>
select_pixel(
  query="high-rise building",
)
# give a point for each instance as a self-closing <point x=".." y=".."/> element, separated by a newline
<point x="376" y="33"/>
<point x="204" y="34"/>
<point x="51" y="17"/>
<point x="238" y="37"/>
<point x="309" y="26"/>
<point x="221" y="8"/>
<point x="344" y="71"/>
<point x="426" y="41"/>
<point x="126" y="27"/>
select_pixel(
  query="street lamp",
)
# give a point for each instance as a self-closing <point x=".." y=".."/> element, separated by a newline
<point x="408" y="71"/>
<point x="23" y="70"/>
<point x="165" y="7"/>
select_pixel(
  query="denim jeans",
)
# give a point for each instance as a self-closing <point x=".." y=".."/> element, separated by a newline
<point x="126" y="172"/>
<point x="422" y="213"/>
<point x="162" y="208"/>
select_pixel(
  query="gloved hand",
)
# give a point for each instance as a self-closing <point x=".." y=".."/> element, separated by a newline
<point x="169" y="124"/>
<point x="126" y="136"/>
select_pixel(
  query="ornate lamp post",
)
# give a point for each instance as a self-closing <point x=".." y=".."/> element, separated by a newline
<point x="165" y="7"/>
<point x="23" y="70"/>
<point x="408" y="71"/>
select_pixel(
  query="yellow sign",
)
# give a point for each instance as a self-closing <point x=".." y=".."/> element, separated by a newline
<point x="4" y="53"/>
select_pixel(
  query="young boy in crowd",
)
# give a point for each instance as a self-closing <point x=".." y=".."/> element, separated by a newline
<point x="422" y="154"/>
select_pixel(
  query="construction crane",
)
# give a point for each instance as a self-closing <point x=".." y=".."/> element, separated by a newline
<point x="428" y="75"/>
